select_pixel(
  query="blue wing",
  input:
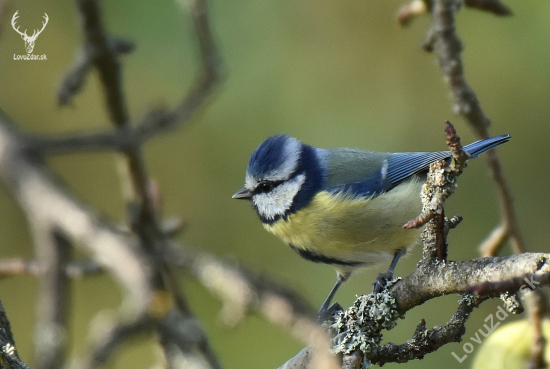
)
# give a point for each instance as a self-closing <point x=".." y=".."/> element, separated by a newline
<point x="404" y="165"/>
<point x="374" y="185"/>
<point x="401" y="166"/>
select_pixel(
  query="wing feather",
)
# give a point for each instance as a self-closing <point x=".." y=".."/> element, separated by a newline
<point x="363" y="173"/>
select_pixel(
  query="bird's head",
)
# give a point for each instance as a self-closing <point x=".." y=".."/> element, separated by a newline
<point x="282" y="176"/>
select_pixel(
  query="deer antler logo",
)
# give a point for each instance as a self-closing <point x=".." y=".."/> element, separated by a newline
<point x="29" y="40"/>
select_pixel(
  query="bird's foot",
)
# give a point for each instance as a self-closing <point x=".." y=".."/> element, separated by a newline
<point x="382" y="281"/>
<point x="325" y="313"/>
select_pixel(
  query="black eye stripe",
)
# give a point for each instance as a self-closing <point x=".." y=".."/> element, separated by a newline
<point x="266" y="186"/>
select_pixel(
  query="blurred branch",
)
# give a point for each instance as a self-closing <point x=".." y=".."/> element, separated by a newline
<point x="75" y="269"/>
<point x="538" y="309"/>
<point x="83" y="62"/>
<point x="492" y="6"/>
<point x="42" y="199"/>
<point x="167" y="300"/>
<point x="153" y="301"/>
<point x="112" y="333"/>
<point x="8" y="352"/>
<point x="100" y="53"/>
<point x="241" y="291"/>
<point x="53" y="252"/>
<point x="157" y="121"/>
<point x="408" y="12"/>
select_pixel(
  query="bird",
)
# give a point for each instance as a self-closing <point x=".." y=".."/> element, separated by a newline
<point x="345" y="207"/>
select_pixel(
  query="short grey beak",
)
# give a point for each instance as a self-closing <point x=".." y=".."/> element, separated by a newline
<point x="243" y="194"/>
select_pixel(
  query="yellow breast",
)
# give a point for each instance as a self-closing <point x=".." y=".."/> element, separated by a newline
<point x="366" y="230"/>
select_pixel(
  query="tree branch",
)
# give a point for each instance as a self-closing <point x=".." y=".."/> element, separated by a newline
<point x="358" y="330"/>
<point x="438" y="279"/>
<point x="425" y="341"/>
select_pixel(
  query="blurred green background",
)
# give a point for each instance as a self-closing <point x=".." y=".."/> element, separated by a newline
<point x="332" y="73"/>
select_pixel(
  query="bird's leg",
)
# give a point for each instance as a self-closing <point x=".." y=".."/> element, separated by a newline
<point x="383" y="278"/>
<point x="325" y="311"/>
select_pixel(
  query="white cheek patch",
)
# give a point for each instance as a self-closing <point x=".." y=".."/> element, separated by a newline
<point x="279" y="200"/>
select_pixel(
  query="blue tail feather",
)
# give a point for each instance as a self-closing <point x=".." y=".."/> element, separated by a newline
<point x="478" y="147"/>
<point x="402" y="165"/>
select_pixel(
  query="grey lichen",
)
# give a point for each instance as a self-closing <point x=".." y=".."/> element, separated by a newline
<point x="511" y="302"/>
<point x="360" y="327"/>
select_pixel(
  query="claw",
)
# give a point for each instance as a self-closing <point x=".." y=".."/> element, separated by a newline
<point x="382" y="281"/>
<point x="325" y="314"/>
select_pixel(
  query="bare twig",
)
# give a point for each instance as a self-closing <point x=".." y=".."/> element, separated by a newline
<point x="425" y="341"/>
<point x="457" y="151"/>
<point x="440" y="184"/>
<point x="444" y="40"/>
<point x="408" y="12"/>
<point x="492" y="6"/>
<point x="75" y="269"/>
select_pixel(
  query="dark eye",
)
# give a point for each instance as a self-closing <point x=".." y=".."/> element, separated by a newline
<point x="267" y="186"/>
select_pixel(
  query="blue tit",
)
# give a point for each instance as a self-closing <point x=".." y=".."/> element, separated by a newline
<point x="345" y="207"/>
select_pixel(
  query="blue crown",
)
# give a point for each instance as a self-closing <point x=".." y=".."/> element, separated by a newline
<point x="269" y="156"/>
